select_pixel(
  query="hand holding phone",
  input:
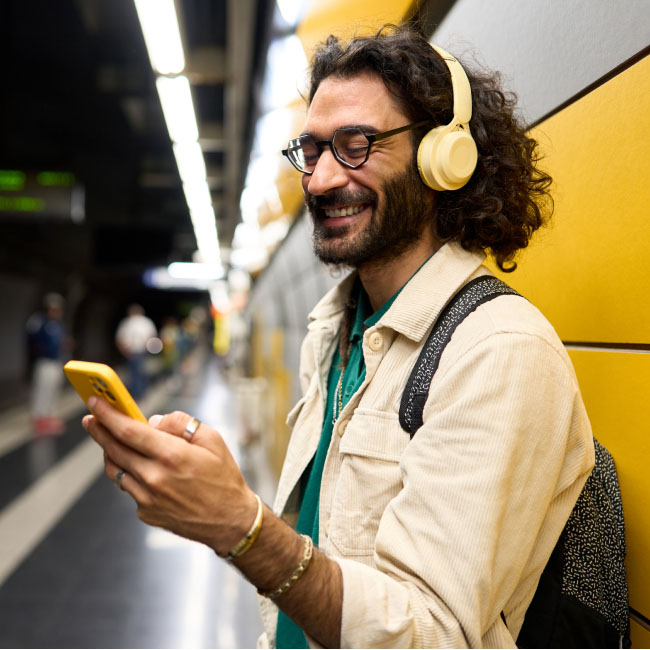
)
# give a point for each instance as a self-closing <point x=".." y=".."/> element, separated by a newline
<point x="101" y="380"/>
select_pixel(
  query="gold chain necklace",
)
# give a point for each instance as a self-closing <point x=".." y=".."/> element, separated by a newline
<point x="338" y="398"/>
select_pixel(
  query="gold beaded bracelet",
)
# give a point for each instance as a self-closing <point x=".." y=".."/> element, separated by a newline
<point x="248" y="540"/>
<point x="298" y="571"/>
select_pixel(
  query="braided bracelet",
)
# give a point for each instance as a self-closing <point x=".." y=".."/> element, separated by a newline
<point x="249" y="538"/>
<point x="298" y="571"/>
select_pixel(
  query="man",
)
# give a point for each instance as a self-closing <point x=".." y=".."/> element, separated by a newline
<point x="433" y="542"/>
<point x="132" y="335"/>
<point x="47" y="344"/>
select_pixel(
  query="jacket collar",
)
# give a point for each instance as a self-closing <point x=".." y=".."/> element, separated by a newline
<point x="420" y="301"/>
<point x="426" y="294"/>
<point x="330" y="307"/>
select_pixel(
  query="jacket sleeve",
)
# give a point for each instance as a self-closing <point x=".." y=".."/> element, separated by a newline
<point x="488" y="483"/>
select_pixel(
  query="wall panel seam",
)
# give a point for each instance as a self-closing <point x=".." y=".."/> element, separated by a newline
<point x="614" y="72"/>
<point x="635" y="348"/>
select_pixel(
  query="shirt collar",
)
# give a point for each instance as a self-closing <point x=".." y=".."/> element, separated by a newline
<point x="361" y="314"/>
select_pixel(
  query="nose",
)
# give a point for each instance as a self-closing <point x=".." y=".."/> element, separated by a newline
<point x="328" y="174"/>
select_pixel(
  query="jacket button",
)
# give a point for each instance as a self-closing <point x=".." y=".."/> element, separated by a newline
<point x="343" y="425"/>
<point x="376" y="341"/>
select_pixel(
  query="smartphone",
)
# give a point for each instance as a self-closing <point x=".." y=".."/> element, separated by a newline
<point x="99" y="379"/>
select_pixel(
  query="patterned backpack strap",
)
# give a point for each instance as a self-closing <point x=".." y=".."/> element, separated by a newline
<point x="474" y="293"/>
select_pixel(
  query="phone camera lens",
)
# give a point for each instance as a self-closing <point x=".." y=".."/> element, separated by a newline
<point x="110" y="395"/>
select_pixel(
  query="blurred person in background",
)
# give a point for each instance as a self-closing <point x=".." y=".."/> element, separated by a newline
<point x="133" y="334"/>
<point x="47" y="343"/>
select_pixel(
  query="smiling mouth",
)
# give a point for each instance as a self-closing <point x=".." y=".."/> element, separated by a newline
<point x="345" y="211"/>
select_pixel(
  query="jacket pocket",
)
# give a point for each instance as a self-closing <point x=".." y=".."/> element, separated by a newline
<point x="369" y="479"/>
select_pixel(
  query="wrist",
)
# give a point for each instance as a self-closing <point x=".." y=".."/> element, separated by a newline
<point x="245" y="530"/>
<point x="296" y="574"/>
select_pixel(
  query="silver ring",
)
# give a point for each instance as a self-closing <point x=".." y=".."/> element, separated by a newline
<point x="191" y="428"/>
<point x="117" y="479"/>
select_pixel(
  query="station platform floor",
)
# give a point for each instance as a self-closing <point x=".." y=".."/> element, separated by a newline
<point x="77" y="567"/>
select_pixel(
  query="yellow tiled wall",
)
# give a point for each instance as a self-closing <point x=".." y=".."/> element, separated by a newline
<point x="589" y="274"/>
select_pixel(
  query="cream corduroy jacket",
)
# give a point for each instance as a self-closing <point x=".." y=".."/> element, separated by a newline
<point x="436" y="536"/>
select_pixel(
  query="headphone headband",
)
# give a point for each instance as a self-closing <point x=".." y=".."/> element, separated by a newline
<point x="459" y="85"/>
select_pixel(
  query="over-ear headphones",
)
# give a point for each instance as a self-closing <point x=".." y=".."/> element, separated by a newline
<point x="447" y="154"/>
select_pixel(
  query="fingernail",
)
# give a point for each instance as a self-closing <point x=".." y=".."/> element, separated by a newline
<point x="85" y="421"/>
<point x="154" y="420"/>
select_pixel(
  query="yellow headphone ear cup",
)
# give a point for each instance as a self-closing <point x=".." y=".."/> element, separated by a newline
<point x="447" y="158"/>
<point x="456" y="156"/>
<point x="425" y="157"/>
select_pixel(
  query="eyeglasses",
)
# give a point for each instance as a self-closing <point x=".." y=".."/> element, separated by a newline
<point x="350" y="146"/>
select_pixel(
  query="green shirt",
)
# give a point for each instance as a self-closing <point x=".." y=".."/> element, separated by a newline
<point x="289" y="635"/>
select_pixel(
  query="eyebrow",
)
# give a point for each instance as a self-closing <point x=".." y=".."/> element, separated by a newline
<point x="366" y="128"/>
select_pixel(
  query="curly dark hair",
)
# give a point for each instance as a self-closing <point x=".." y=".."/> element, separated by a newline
<point x="507" y="197"/>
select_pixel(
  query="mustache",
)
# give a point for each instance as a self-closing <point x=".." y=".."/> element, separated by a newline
<point x="339" y="197"/>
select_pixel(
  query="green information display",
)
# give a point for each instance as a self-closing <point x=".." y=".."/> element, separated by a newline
<point x="46" y="194"/>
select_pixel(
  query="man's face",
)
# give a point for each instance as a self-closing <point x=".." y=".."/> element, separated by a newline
<point x="374" y="212"/>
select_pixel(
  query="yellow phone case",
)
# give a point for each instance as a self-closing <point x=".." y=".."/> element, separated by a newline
<point x="99" y="379"/>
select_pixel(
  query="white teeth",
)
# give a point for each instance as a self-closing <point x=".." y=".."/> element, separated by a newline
<point x="343" y="212"/>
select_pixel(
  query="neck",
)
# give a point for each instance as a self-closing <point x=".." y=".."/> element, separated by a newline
<point x="382" y="279"/>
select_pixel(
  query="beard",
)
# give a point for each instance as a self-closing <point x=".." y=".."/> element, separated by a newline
<point x="406" y="211"/>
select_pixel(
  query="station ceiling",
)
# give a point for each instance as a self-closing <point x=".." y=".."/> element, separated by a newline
<point x="79" y="96"/>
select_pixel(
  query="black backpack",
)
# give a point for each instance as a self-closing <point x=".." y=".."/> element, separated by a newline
<point x="581" y="599"/>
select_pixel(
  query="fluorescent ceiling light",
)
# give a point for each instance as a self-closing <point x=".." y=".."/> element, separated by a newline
<point x="178" y="108"/>
<point x="206" y="240"/>
<point x="161" y="34"/>
<point x="251" y="259"/>
<point x="246" y="235"/>
<point x="197" y="194"/>
<point x="273" y="130"/>
<point x="263" y="170"/>
<point x="291" y="10"/>
<point x="159" y="278"/>
<point x="194" y="271"/>
<point x="209" y="250"/>
<point x="189" y="158"/>
<point x="205" y="231"/>
<point x="208" y="245"/>
<point x="220" y="299"/>
<point x="250" y="204"/>
<point x="286" y="68"/>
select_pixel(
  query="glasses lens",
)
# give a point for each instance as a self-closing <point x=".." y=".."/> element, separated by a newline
<point x="351" y="146"/>
<point x="303" y="153"/>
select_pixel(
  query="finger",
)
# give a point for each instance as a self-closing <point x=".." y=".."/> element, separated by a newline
<point x="154" y="420"/>
<point x="185" y="426"/>
<point x="139" y="436"/>
<point x="128" y="483"/>
<point x="118" y="453"/>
